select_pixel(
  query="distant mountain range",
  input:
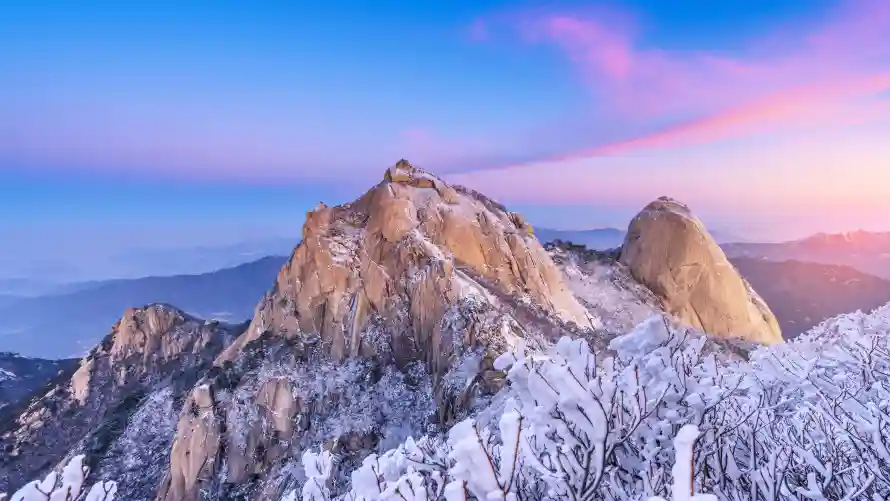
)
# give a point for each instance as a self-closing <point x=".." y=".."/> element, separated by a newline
<point x="19" y="376"/>
<point x="868" y="252"/>
<point x="66" y="325"/>
<point x="32" y="271"/>
<point x="802" y="295"/>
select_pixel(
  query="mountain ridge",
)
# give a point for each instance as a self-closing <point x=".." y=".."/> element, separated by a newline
<point x="868" y="252"/>
<point x="384" y="323"/>
<point x="66" y="324"/>
<point x="152" y="350"/>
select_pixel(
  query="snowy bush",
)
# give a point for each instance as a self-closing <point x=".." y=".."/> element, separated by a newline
<point x="682" y="472"/>
<point x="317" y="467"/>
<point x="807" y="420"/>
<point x="67" y="486"/>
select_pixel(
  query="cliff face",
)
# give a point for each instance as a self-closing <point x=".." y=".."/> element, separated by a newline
<point x="382" y="324"/>
<point x="668" y="250"/>
<point x="151" y="354"/>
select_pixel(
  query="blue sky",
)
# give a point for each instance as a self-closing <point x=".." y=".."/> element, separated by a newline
<point x="236" y="117"/>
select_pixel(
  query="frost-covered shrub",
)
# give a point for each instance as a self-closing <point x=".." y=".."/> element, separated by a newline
<point x="682" y="472"/>
<point x="69" y="485"/>
<point x="809" y="420"/>
<point x="317" y="466"/>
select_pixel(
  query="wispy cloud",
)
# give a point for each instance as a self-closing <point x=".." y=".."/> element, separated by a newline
<point x="814" y="75"/>
<point x="803" y="106"/>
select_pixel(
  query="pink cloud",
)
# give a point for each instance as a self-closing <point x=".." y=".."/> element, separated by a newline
<point x="802" y="106"/>
<point x="798" y="76"/>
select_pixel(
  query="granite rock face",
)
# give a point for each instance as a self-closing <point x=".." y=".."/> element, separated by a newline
<point x="668" y="250"/>
<point x="407" y="293"/>
<point x="151" y="355"/>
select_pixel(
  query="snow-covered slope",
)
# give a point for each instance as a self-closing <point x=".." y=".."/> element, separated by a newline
<point x="802" y="420"/>
<point x="604" y="286"/>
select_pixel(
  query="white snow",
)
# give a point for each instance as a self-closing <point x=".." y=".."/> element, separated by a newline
<point x="682" y="471"/>
<point x="65" y="486"/>
<point x="317" y="466"/>
<point x="614" y="301"/>
<point x="664" y="416"/>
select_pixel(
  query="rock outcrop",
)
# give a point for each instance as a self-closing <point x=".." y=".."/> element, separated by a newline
<point x="383" y="323"/>
<point x="152" y="355"/>
<point x="669" y="250"/>
<point x="412" y="238"/>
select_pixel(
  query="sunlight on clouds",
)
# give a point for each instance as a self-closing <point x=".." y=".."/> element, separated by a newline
<point x="834" y="174"/>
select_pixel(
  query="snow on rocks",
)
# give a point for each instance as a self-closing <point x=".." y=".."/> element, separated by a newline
<point x="666" y="417"/>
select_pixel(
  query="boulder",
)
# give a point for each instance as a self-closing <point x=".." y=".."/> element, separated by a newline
<point x="668" y="250"/>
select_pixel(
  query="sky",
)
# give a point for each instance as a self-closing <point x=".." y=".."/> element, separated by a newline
<point x="184" y="123"/>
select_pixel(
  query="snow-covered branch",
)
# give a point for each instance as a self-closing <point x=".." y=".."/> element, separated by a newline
<point x="69" y="485"/>
<point x="809" y="419"/>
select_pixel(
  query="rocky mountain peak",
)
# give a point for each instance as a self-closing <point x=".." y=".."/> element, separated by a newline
<point x="411" y="242"/>
<point x="406" y="292"/>
<point x="670" y="251"/>
<point x="153" y="348"/>
<point x="142" y="341"/>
